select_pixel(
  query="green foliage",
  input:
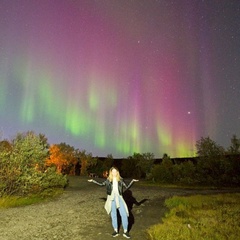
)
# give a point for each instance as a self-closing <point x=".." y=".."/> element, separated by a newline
<point x="138" y="165"/>
<point x="97" y="168"/>
<point x="5" y="145"/>
<point x="235" y="146"/>
<point x="145" y="163"/>
<point x="206" y="147"/>
<point x="18" y="201"/>
<point x="108" y="162"/>
<point x="23" y="163"/>
<point x="130" y="168"/>
<point x="163" y="172"/>
<point x="184" y="173"/>
<point x="87" y="161"/>
<point x="199" y="218"/>
<point x="213" y="167"/>
<point x="51" y="179"/>
<point x="22" y="169"/>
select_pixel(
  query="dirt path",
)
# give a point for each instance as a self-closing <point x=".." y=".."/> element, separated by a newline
<point x="79" y="214"/>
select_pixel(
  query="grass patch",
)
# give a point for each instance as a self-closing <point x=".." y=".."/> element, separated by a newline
<point x="18" y="201"/>
<point x="200" y="217"/>
<point x="169" y="185"/>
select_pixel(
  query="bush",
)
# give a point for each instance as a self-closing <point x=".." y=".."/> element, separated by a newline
<point x="22" y="166"/>
<point x="163" y="173"/>
<point x="51" y="179"/>
<point x="188" y="171"/>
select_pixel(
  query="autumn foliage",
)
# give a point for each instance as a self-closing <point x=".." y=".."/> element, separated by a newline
<point x="62" y="160"/>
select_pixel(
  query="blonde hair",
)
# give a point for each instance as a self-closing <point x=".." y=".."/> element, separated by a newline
<point x="110" y="176"/>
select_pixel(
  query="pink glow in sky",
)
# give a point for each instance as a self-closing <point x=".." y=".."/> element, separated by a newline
<point x="118" y="77"/>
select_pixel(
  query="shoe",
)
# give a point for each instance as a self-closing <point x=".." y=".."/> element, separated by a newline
<point x="115" y="234"/>
<point x="126" y="235"/>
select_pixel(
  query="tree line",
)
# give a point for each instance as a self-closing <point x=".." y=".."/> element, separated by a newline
<point x="213" y="166"/>
<point x="28" y="164"/>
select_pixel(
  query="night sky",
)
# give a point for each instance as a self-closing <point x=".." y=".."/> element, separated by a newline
<point x="121" y="76"/>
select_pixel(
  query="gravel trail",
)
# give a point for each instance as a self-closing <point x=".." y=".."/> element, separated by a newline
<point x="79" y="214"/>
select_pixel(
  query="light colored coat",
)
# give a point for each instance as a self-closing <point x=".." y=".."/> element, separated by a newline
<point x="108" y="203"/>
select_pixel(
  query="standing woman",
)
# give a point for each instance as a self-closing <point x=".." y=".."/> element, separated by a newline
<point x="114" y="184"/>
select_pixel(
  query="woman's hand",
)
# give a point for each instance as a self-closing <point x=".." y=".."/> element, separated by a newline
<point x="90" y="180"/>
<point x="135" y="180"/>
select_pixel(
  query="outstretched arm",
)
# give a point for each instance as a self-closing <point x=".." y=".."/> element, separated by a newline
<point x="98" y="183"/>
<point x="130" y="184"/>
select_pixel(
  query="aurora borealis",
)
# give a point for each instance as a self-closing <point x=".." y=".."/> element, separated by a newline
<point x="118" y="77"/>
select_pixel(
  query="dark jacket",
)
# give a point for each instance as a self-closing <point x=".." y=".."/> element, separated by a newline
<point x="109" y="186"/>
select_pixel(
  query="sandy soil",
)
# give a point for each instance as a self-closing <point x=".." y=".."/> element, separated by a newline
<point x="79" y="214"/>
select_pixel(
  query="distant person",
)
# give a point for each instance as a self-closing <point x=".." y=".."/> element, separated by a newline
<point x="114" y="184"/>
